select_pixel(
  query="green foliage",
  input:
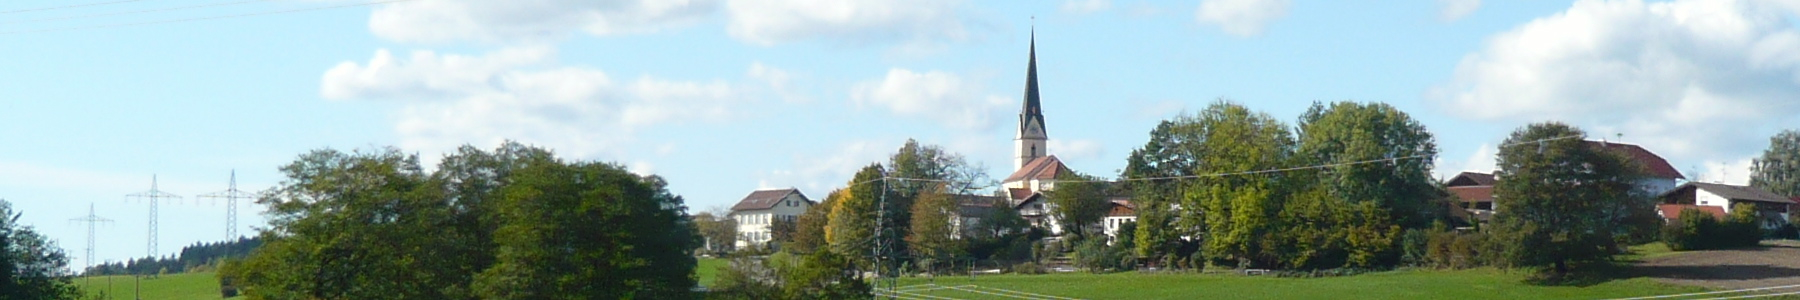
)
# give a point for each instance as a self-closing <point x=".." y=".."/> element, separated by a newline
<point x="718" y="231"/>
<point x="809" y="228"/>
<point x="1345" y="132"/>
<point x="1238" y="212"/>
<point x="784" y="275"/>
<point x="374" y="225"/>
<point x="852" y="224"/>
<point x="1484" y="283"/>
<point x="31" y="266"/>
<point x="1565" y="202"/>
<point x="1778" y="169"/>
<point x="1701" y="231"/>
<point x="567" y="231"/>
<point x="931" y="236"/>
<point x="1079" y="202"/>
<point x="1096" y="256"/>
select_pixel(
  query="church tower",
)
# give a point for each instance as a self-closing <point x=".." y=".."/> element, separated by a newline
<point x="1029" y="144"/>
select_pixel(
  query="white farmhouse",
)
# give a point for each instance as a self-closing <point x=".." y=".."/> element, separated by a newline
<point x="759" y="210"/>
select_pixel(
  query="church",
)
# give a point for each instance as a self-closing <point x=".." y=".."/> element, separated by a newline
<point x="1034" y="170"/>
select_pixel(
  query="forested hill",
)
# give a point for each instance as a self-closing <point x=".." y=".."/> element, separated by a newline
<point x="200" y="256"/>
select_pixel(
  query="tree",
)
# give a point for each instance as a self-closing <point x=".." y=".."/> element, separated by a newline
<point x="852" y="230"/>
<point x="1346" y="132"/>
<point x="1352" y="212"/>
<point x="357" y="226"/>
<point x="1778" y="169"/>
<point x="1078" y="202"/>
<point x="31" y="266"/>
<point x="1171" y="152"/>
<point x="570" y="231"/>
<point x="717" y="228"/>
<point x="931" y="235"/>
<point x="810" y="229"/>
<point x="1563" y="198"/>
<point x="1237" y="210"/>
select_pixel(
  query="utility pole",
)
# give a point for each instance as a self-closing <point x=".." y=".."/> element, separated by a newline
<point x="153" y="195"/>
<point x="91" y="220"/>
<point x="231" y="196"/>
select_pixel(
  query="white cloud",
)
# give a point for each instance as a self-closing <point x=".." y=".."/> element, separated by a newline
<point x="1691" y="80"/>
<point x="1736" y="172"/>
<point x="942" y="96"/>
<point x="822" y="172"/>
<point x="769" y="22"/>
<point x="1457" y="9"/>
<point x="496" y="21"/>
<point x="780" y="81"/>
<point x="450" y="100"/>
<point x="1082" y="7"/>
<point x="1075" y="149"/>
<point x="1243" y="18"/>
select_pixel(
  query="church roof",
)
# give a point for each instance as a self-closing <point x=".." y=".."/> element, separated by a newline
<point x="1042" y="168"/>
<point x="765" y="199"/>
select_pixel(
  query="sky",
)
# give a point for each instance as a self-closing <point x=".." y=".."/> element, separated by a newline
<point x="723" y="97"/>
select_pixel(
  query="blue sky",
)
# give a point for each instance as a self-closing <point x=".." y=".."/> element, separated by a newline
<point x="723" y="97"/>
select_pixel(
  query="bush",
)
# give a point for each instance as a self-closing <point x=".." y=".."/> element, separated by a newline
<point x="1027" y="268"/>
<point x="1452" y="250"/>
<point x="1097" y="257"/>
<point x="1701" y="231"/>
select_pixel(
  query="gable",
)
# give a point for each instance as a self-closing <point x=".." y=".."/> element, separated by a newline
<point x="1042" y="168"/>
<point x="1470" y="179"/>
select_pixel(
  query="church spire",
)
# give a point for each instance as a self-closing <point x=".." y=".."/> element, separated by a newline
<point x="1032" y="140"/>
<point x="1031" y="110"/>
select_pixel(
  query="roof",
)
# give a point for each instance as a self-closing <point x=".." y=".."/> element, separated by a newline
<point x="1042" y="168"/>
<point x="1738" y="192"/>
<point x="975" y="205"/>
<point x="1121" y="208"/>
<point x="1470" y="179"/>
<point x="1031" y="110"/>
<point x="1652" y="164"/>
<point x="1018" y="194"/>
<point x="1473" y="193"/>
<point x="1673" y="211"/>
<point x="766" y="199"/>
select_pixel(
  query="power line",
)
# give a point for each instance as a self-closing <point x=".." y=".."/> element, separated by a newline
<point x="274" y="12"/>
<point x="65" y="7"/>
<point x="91" y="219"/>
<point x="136" y="11"/>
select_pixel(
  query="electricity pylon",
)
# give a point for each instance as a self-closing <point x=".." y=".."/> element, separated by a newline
<point x="153" y="196"/>
<point x="231" y="195"/>
<point x="91" y="220"/>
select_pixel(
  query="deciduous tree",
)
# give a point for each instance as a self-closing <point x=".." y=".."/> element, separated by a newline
<point x="31" y="266"/>
<point x="1778" y="169"/>
<point x="1563" y="200"/>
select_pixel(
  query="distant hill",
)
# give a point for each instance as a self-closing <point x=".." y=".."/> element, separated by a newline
<point x="197" y="257"/>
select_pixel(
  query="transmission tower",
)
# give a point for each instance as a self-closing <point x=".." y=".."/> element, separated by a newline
<point x="153" y="196"/>
<point x="883" y="244"/>
<point x="91" y="220"/>
<point x="231" y="196"/>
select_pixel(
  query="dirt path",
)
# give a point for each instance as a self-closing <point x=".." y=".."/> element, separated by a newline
<point x="1773" y="265"/>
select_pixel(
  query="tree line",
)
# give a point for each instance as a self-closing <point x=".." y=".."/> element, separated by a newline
<point x="196" y="257"/>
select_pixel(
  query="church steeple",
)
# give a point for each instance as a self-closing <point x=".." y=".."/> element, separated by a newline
<point x="1030" y="143"/>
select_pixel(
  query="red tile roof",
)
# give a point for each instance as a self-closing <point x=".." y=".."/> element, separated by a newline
<point x="1018" y="194"/>
<point x="1473" y="193"/>
<point x="1672" y="212"/>
<point x="1653" y="164"/>
<point x="765" y="199"/>
<point x="1042" y="168"/>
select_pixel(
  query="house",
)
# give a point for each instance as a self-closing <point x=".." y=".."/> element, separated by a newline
<point x="1659" y="176"/>
<point x="1474" y="193"/>
<point x="1121" y="212"/>
<point x="1771" y="208"/>
<point x="1671" y="213"/>
<point x="970" y="211"/>
<point x="762" y="208"/>
<point x="1036" y="209"/>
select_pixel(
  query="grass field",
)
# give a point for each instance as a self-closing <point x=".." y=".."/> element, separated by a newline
<point x="1418" y="284"/>
<point x="184" y="286"/>
<point x="708" y="270"/>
